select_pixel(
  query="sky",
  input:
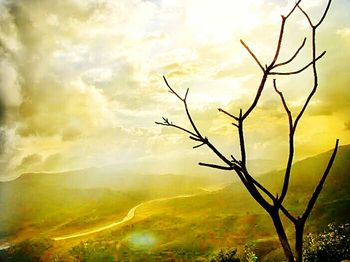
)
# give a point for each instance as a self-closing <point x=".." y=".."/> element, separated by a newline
<point x="81" y="82"/>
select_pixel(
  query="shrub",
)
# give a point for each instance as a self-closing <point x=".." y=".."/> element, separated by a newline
<point x="331" y="245"/>
<point x="250" y="255"/>
<point x="26" y="251"/>
<point x="226" y="256"/>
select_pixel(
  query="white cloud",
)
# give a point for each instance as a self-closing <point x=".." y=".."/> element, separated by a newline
<point x="344" y="32"/>
<point x="85" y="75"/>
<point x="10" y="90"/>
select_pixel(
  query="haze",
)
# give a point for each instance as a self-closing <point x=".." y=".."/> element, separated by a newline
<point x="81" y="82"/>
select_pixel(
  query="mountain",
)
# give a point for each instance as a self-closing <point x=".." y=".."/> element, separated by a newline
<point x="38" y="201"/>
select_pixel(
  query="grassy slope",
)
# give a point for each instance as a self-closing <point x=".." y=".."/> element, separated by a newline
<point x="194" y="228"/>
<point x="69" y="201"/>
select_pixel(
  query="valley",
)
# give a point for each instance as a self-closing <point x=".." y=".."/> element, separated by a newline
<point x="184" y="218"/>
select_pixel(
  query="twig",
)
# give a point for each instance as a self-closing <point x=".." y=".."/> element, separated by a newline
<point x="216" y="166"/>
<point x="178" y="127"/>
<point x="227" y="113"/>
<point x="293" y="57"/>
<point x="300" y="70"/>
<point x="285" y="106"/>
<point x="253" y="55"/>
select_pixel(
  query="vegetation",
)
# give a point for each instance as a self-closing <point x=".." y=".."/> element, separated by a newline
<point x="91" y="252"/>
<point x="331" y="245"/>
<point x="26" y="251"/>
<point x="66" y="202"/>
<point x="226" y="256"/>
<point x="198" y="227"/>
<point x="271" y="203"/>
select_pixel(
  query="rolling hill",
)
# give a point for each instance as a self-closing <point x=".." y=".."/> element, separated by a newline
<point x="187" y="229"/>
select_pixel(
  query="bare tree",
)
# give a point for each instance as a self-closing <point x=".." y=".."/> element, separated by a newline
<point x="273" y="204"/>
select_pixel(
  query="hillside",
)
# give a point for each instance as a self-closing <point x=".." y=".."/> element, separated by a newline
<point x="185" y="229"/>
<point x="83" y="198"/>
<point x="334" y="199"/>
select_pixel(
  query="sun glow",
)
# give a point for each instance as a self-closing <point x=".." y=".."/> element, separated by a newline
<point x="81" y="81"/>
<point x="217" y="21"/>
<point x="143" y="240"/>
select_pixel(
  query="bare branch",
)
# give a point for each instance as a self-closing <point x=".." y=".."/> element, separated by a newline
<point x="234" y="160"/>
<point x="172" y="90"/>
<point x="294" y="56"/>
<point x="195" y="138"/>
<point x="322" y="18"/>
<point x="291" y="145"/>
<point x="313" y="63"/>
<point x="320" y="184"/>
<point x="217" y="152"/>
<point x="186" y="94"/>
<point x="286" y="108"/>
<point x="296" y="4"/>
<point x="287" y="213"/>
<point x="324" y="14"/>
<point x="279" y="43"/>
<point x="184" y="100"/>
<point x="176" y="126"/>
<point x="227" y="113"/>
<point x="191" y="120"/>
<point x="300" y="70"/>
<point x="202" y="144"/>
<point x="217" y="166"/>
<point x="241" y="139"/>
<point x="268" y="68"/>
<point x="314" y="89"/>
<point x="306" y="15"/>
<point x="196" y="132"/>
<point x="253" y="55"/>
<point x="257" y="96"/>
<point x="251" y="187"/>
<point x="260" y="186"/>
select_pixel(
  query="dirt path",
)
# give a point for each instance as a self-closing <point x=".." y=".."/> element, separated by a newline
<point x="130" y="215"/>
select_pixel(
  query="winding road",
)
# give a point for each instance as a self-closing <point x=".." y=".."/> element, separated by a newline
<point x="130" y="215"/>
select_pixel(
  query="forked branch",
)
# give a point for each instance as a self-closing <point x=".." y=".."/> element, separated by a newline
<point x="319" y="187"/>
<point x="293" y="126"/>
<point x="195" y="134"/>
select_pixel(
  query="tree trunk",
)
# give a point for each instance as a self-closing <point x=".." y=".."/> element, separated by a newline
<point x="299" y="231"/>
<point x="282" y="236"/>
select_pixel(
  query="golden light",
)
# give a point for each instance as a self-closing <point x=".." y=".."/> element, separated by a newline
<point x="217" y="21"/>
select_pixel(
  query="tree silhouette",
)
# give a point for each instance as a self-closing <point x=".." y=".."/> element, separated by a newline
<point x="272" y="204"/>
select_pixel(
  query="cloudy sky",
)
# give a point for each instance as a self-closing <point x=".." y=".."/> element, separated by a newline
<point x="81" y="81"/>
